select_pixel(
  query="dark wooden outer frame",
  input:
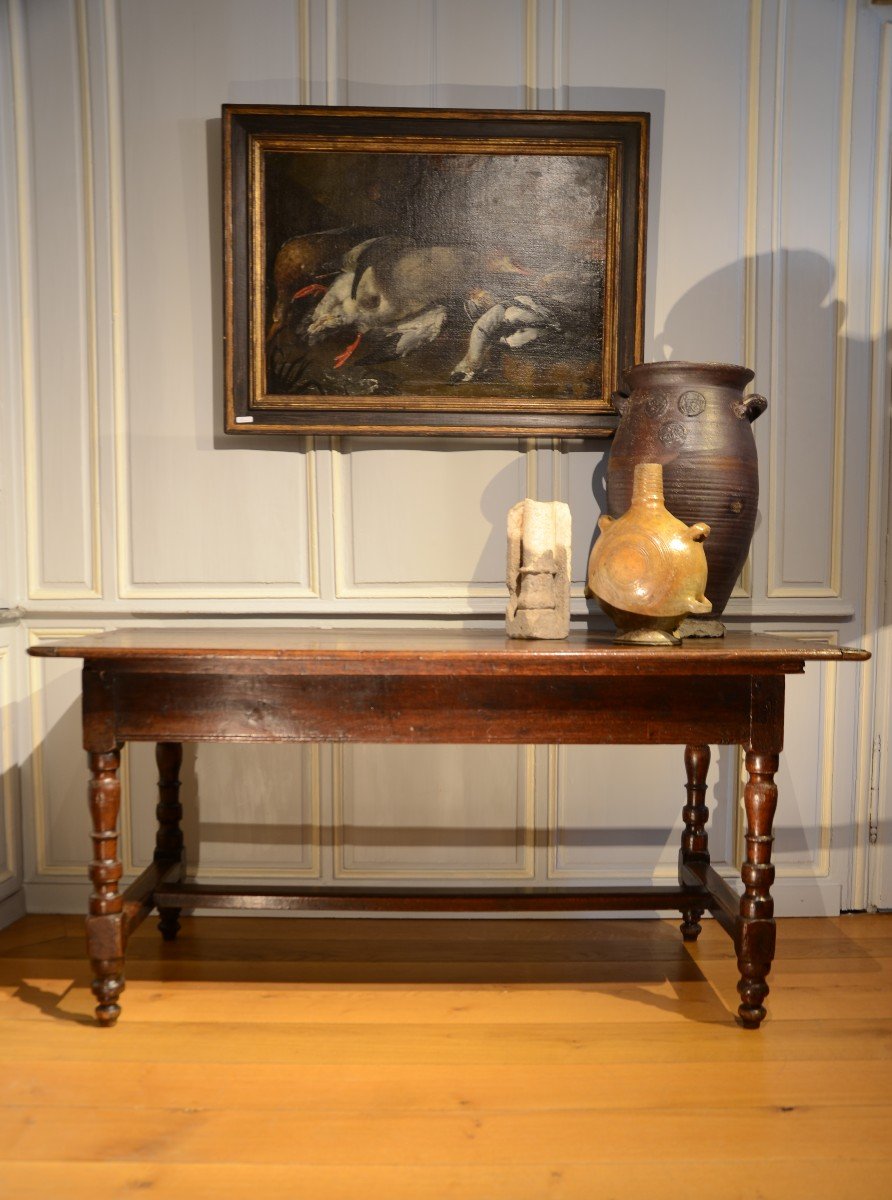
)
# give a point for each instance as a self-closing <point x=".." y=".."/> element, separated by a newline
<point x="171" y="686"/>
<point x="245" y="126"/>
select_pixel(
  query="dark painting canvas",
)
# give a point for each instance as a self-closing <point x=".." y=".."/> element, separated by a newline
<point x="415" y="274"/>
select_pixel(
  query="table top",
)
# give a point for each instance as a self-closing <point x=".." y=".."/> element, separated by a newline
<point x="437" y="652"/>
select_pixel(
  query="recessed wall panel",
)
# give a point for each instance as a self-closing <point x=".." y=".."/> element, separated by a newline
<point x="452" y="811"/>
<point x="424" y="518"/>
<point x="386" y="51"/>
<point x="479" y="54"/>
<point x="248" y="810"/>
<point x="199" y="514"/>
<point x="58" y="318"/>
<point x="616" y="810"/>
<point x="813" y="78"/>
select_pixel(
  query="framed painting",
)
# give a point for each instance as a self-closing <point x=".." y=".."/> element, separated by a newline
<point x="427" y="271"/>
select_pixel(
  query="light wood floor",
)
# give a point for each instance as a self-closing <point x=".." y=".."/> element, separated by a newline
<point x="418" y="1060"/>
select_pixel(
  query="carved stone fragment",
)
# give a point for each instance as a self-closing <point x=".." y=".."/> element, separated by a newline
<point x="538" y="570"/>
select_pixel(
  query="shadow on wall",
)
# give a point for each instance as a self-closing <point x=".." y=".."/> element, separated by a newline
<point x="707" y="324"/>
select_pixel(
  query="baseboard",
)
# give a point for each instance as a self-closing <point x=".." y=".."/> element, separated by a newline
<point x="807" y="898"/>
<point x="12" y="908"/>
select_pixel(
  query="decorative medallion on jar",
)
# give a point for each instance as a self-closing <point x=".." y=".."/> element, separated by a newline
<point x="655" y="406"/>
<point x="673" y="433"/>
<point x="691" y="404"/>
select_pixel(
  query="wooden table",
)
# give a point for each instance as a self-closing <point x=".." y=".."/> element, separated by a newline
<point x="226" y="685"/>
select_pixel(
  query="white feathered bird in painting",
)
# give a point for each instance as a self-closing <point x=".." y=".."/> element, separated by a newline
<point x="404" y="292"/>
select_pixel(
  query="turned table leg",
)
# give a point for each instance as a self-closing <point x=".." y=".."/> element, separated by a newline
<point x="105" y="923"/>
<point x="694" y="840"/>
<point x="756" y="939"/>
<point x="169" y="838"/>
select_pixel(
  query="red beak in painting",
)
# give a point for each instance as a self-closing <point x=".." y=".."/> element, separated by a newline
<point x="345" y="354"/>
<point x="312" y="289"/>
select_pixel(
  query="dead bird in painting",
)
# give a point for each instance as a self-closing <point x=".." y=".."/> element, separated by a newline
<point x="394" y="297"/>
<point x="390" y="285"/>
<point x="300" y="266"/>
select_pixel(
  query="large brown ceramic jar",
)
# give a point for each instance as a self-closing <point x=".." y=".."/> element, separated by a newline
<point x="693" y="419"/>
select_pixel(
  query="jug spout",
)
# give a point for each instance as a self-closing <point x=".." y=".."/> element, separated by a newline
<point x="647" y="484"/>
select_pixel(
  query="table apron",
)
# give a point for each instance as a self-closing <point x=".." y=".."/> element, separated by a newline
<point x="122" y="706"/>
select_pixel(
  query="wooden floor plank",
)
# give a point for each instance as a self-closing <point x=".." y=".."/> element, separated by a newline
<point x="104" y="1134"/>
<point x="401" y="1087"/>
<point x="594" y="1043"/>
<point x="843" y="1179"/>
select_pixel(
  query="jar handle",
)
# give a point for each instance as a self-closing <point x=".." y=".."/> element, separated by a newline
<point x="620" y="401"/>
<point x="751" y="407"/>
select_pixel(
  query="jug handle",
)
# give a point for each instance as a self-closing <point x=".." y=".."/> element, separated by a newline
<point x="751" y="407"/>
<point x="620" y="401"/>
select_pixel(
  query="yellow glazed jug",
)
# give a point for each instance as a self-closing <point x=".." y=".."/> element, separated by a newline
<point x="647" y="569"/>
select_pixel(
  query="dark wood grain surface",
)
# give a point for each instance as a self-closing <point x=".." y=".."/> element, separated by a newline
<point x="443" y="652"/>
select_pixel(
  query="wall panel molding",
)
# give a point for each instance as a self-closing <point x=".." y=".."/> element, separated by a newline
<point x="792" y="20"/>
<point x="18" y="55"/>
<point x="12" y="523"/>
<point x="530" y="65"/>
<point x="751" y="175"/>
<point x="871" y="884"/>
<point x="750" y="228"/>
<point x="335" y="54"/>
<point x="91" y="298"/>
<point x="560" y="44"/>
<point x="303" y="52"/>
<point x="49" y="575"/>
<point x="123" y="524"/>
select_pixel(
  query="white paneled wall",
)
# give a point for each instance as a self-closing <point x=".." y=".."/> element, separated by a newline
<point x="123" y="503"/>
